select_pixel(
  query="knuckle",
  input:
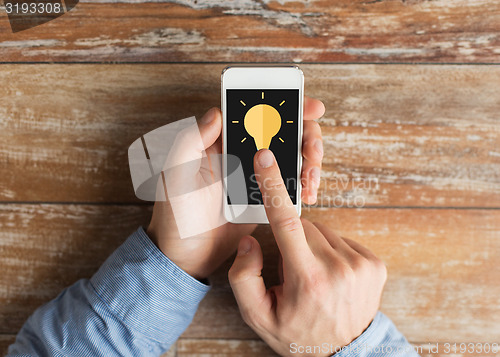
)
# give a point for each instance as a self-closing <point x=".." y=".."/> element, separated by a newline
<point x="381" y="269"/>
<point x="236" y="275"/>
<point x="289" y="224"/>
<point x="369" y="266"/>
<point x="313" y="126"/>
<point x="360" y="263"/>
<point x="317" y="128"/>
<point x="273" y="183"/>
<point x="250" y="316"/>
<point x="314" y="282"/>
<point x="345" y="273"/>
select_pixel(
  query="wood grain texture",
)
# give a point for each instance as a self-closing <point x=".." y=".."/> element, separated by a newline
<point x="5" y="342"/>
<point x="271" y="31"/>
<point x="189" y="347"/>
<point x="45" y="248"/>
<point x="394" y="135"/>
<point x="172" y="352"/>
<point x="223" y="348"/>
<point x="433" y="291"/>
<point x="250" y="348"/>
<point x="418" y="144"/>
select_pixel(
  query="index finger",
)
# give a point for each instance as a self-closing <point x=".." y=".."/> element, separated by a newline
<point x="283" y="217"/>
<point x="313" y="108"/>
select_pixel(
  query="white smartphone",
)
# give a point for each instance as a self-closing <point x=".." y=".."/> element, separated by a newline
<point x="262" y="107"/>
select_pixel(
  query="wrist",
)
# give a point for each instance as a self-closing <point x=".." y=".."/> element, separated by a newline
<point x="179" y="255"/>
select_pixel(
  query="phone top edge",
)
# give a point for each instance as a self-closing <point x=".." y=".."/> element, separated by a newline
<point x="259" y="77"/>
<point x="260" y="66"/>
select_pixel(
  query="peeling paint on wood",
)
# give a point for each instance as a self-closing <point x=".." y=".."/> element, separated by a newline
<point x="394" y="135"/>
<point x="40" y="257"/>
<point x="269" y="31"/>
<point x="426" y="136"/>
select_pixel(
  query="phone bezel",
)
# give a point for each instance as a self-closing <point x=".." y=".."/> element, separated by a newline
<point x="259" y="77"/>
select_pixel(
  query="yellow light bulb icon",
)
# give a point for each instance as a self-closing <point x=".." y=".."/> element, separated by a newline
<point x="262" y="122"/>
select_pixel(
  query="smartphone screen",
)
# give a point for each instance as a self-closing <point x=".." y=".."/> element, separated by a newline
<point x="278" y="113"/>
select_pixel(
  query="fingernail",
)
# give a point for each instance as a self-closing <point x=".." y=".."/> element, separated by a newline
<point x="208" y="117"/>
<point x="265" y="159"/>
<point x="245" y="246"/>
<point x="318" y="146"/>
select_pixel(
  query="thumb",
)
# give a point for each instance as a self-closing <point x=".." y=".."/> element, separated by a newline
<point x="191" y="142"/>
<point x="248" y="286"/>
<point x="210" y="127"/>
<point x="187" y="155"/>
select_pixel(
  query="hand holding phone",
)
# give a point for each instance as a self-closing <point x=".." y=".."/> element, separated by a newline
<point x="200" y="257"/>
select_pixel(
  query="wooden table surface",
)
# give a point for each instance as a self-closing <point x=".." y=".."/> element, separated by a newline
<point x="412" y="91"/>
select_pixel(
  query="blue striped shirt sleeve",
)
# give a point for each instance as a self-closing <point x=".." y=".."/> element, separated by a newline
<point x="137" y="304"/>
<point x="380" y="339"/>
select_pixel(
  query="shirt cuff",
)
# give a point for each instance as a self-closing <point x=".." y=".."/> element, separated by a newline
<point x="381" y="338"/>
<point x="147" y="291"/>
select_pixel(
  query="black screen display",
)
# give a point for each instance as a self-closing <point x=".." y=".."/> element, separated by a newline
<point x="253" y="116"/>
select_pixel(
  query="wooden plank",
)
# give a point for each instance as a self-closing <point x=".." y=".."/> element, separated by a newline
<point x="45" y="248"/>
<point x="442" y="264"/>
<point x="5" y="342"/>
<point x="244" y="348"/>
<point x="172" y="352"/>
<point x="394" y="135"/>
<point x="223" y="348"/>
<point x="190" y="347"/>
<point x="408" y="136"/>
<point x="273" y="31"/>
